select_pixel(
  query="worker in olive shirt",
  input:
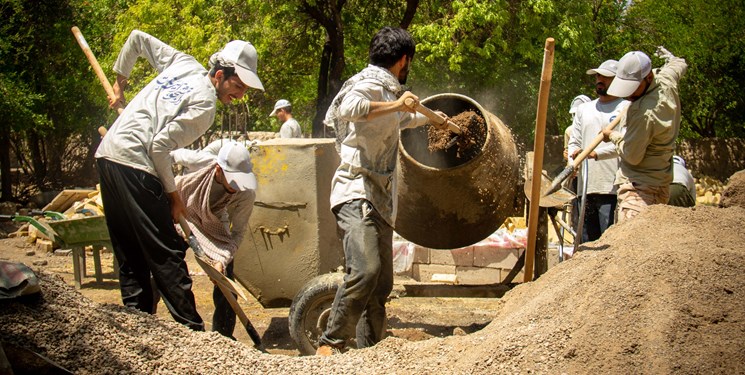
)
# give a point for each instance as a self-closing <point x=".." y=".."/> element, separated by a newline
<point x="683" y="188"/>
<point x="367" y="115"/>
<point x="138" y="187"/>
<point x="646" y="141"/>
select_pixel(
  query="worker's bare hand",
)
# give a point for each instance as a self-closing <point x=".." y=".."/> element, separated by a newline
<point x="606" y="134"/>
<point x="119" y="86"/>
<point x="178" y="209"/>
<point x="408" y="102"/>
<point x="576" y="152"/>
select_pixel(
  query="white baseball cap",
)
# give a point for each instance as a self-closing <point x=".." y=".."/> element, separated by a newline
<point x="281" y="103"/>
<point x="579" y="99"/>
<point x="606" y="69"/>
<point x="244" y="57"/>
<point x="632" y="69"/>
<point x="235" y="161"/>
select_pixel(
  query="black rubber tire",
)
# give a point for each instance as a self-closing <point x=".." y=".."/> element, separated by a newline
<point x="309" y="310"/>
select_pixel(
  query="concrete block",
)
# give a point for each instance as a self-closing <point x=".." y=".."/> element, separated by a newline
<point x="421" y="255"/>
<point x="518" y="278"/>
<point x="456" y="257"/>
<point x="478" y="275"/>
<point x="493" y="257"/>
<point x="424" y="272"/>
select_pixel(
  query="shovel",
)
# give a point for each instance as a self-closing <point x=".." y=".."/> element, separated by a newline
<point x="556" y="184"/>
<point x="227" y="286"/>
<point x="97" y="69"/>
<point x="436" y="119"/>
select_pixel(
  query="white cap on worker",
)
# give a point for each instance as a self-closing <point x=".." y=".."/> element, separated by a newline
<point x="281" y="103"/>
<point x="579" y="99"/>
<point x="632" y="68"/>
<point x="606" y="69"/>
<point x="243" y="56"/>
<point x="678" y="160"/>
<point x="235" y="162"/>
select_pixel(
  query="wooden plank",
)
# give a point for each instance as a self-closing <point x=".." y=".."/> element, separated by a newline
<point x="65" y="199"/>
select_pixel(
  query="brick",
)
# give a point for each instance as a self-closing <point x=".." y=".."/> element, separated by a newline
<point x="457" y="257"/>
<point x="421" y="255"/>
<point x="424" y="272"/>
<point x="493" y="257"/>
<point x="478" y="275"/>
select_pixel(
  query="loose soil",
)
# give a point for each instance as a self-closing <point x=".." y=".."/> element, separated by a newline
<point x="662" y="293"/>
<point x="734" y="192"/>
<point x="468" y="142"/>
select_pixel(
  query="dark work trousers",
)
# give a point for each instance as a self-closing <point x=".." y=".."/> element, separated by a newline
<point x="145" y="241"/>
<point x="223" y="321"/>
<point x="680" y="196"/>
<point x="599" y="215"/>
<point x="360" y="300"/>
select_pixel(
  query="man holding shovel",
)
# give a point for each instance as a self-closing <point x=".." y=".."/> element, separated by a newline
<point x="219" y="193"/>
<point x="651" y="126"/>
<point x="367" y="115"/>
<point x="138" y="187"/>
<point x="589" y="120"/>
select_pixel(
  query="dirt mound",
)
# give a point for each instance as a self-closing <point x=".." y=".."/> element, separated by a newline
<point x="662" y="293"/>
<point x="734" y="192"/>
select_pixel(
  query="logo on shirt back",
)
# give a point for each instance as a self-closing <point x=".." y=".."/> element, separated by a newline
<point x="173" y="89"/>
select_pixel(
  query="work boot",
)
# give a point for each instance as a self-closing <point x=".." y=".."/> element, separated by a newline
<point x="327" y="350"/>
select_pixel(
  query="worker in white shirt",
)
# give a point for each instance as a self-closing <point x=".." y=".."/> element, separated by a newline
<point x="683" y="188"/>
<point x="290" y="127"/>
<point x="138" y="187"/>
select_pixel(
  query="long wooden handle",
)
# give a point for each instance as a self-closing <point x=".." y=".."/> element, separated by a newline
<point x="241" y="316"/>
<point x="99" y="72"/>
<point x="597" y="140"/>
<point x="538" y="144"/>
<point x="433" y="116"/>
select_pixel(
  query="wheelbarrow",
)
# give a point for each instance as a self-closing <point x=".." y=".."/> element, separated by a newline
<point x="76" y="235"/>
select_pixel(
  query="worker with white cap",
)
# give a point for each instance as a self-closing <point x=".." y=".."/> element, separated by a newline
<point x="219" y="192"/>
<point x="650" y="128"/>
<point x="683" y="188"/>
<point x="602" y="162"/>
<point x="138" y="187"/>
<point x="290" y="127"/>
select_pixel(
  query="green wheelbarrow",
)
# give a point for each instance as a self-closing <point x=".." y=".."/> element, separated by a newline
<point x="76" y="235"/>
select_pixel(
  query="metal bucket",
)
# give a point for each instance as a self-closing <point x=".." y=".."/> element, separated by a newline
<point x="446" y="200"/>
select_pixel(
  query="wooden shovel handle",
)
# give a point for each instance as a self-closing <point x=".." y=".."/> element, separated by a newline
<point x="97" y="69"/>
<point x="432" y="115"/>
<point x="597" y="140"/>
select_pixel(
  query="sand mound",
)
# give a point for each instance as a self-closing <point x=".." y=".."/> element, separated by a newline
<point x="734" y="192"/>
<point x="662" y="293"/>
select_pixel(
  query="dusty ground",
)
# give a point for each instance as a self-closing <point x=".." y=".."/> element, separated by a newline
<point x="410" y="318"/>
<point x="663" y="293"/>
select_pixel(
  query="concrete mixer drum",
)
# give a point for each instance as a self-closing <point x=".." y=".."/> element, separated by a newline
<point x="453" y="198"/>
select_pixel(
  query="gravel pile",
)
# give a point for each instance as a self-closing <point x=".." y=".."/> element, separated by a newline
<point x="663" y="293"/>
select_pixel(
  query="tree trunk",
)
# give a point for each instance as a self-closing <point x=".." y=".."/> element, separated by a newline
<point x="6" y="179"/>
<point x="37" y="160"/>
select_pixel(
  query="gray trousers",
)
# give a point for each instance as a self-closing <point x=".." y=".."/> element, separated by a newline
<point x="359" y="305"/>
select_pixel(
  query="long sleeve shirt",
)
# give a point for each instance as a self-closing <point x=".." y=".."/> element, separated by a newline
<point x="171" y="112"/>
<point x="589" y="120"/>
<point x="238" y="211"/>
<point x="369" y="153"/>
<point x="651" y="127"/>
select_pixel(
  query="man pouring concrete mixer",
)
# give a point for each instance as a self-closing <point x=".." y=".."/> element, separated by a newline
<point x="138" y="187"/>
<point x="367" y="115"/>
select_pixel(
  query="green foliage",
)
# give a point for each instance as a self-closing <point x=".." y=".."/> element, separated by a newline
<point x="710" y="35"/>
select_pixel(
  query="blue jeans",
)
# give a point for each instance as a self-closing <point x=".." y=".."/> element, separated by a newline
<point x="359" y="305"/>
